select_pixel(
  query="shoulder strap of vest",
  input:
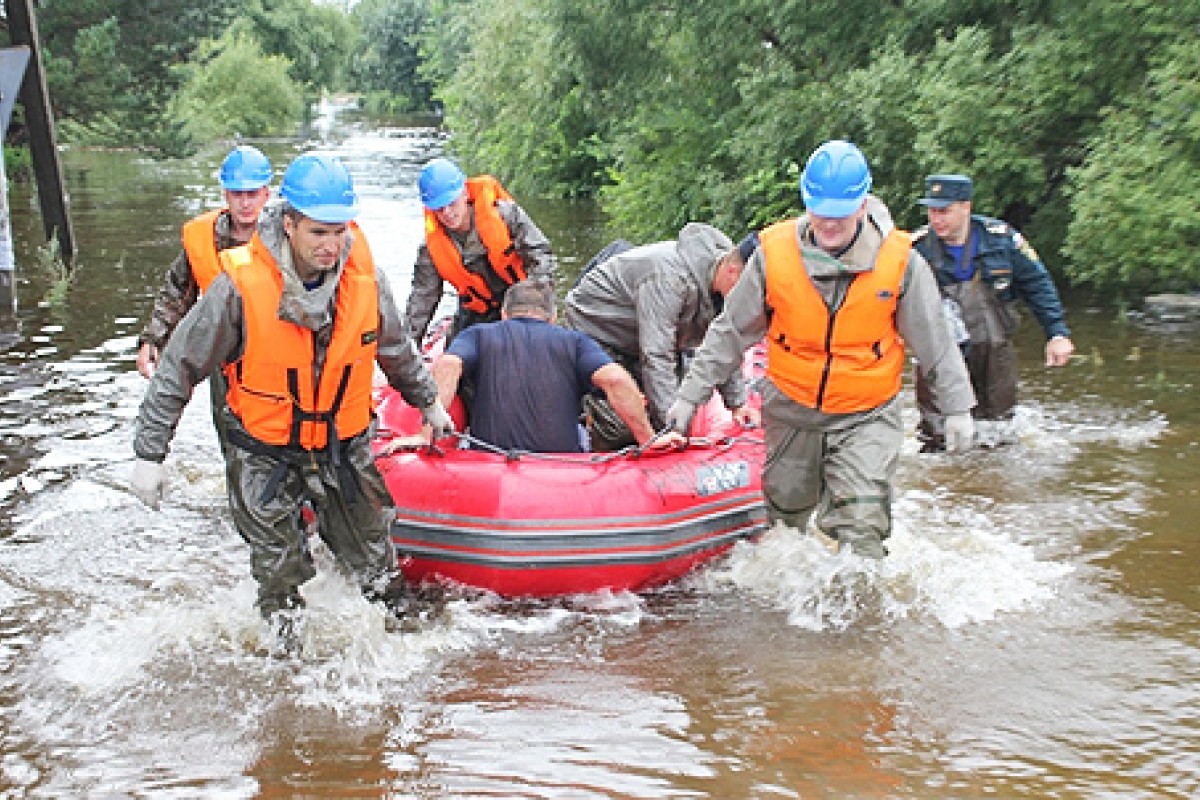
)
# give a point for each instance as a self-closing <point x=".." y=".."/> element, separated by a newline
<point x="487" y="189"/>
<point x="896" y="245"/>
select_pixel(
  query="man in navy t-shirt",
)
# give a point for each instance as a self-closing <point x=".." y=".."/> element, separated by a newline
<point x="529" y="376"/>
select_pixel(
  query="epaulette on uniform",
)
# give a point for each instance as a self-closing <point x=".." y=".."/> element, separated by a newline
<point x="919" y="233"/>
<point x="1025" y="247"/>
<point x="998" y="226"/>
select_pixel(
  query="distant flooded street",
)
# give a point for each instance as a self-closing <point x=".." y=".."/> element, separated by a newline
<point x="1034" y="633"/>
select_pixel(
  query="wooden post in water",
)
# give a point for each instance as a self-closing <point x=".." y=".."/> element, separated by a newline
<point x="52" y="197"/>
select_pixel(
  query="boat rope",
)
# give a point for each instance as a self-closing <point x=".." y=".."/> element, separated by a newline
<point x="516" y="454"/>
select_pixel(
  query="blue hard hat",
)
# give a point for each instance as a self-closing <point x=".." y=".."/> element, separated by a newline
<point x="440" y="183"/>
<point x="245" y="169"/>
<point x="835" y="180"/>
<point x="320" y="188"/>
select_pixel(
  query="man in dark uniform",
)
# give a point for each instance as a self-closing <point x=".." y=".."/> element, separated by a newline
<point x="983" y="266"/>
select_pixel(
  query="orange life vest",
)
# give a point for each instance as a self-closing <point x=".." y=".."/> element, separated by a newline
<point x="841" y="362"/>
<point x="200" y="244"/>
<point x="272" y="388"/>
<point x="473" y="290"/>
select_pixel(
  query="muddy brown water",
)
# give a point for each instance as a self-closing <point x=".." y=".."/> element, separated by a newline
<point x="1032" y="635"/>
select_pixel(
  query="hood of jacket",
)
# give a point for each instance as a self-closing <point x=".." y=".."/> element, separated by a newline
<point x="308" y="308"/>
<point x="700" y="247"/>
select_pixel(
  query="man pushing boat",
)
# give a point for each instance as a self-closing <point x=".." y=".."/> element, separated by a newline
<point x="297" y="320"/>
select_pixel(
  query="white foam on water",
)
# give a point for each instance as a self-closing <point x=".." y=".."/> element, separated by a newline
<point x="961" y="556"/>
<point x="961" y="577"/>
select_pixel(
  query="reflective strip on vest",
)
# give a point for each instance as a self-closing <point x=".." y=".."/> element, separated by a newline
<point x="200" y="244"/>
<point x="842" y="362"/>
<point x="272" y="386"/>
<point x="473" y="291"/>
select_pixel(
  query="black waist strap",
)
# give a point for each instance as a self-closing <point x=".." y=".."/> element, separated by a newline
<point x="292" y="456"/>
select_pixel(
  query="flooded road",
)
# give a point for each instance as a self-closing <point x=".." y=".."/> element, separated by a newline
<point x="1033" y="634"/>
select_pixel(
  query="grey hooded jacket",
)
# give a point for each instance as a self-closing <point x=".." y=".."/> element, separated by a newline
<point x="652" y="303"/>
<point x="213" y="334"/>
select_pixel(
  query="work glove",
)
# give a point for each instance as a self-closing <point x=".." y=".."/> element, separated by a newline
<point x="679" y="416"/>
<point x="148" y="482"/>
<point x="960" y="433"/>
<point x="434" y="415"/>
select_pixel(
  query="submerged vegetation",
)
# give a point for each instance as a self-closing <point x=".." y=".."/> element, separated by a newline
<point x="1080" y="122"/>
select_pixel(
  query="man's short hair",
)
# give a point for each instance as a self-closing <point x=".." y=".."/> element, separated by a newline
<point x="530" y="298"/>
<point x="747" y="246"/>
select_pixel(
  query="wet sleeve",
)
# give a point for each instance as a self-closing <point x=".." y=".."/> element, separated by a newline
<point x="1035" y="285"/>
<point x="733" y="391"/>
<point x="397" y="353"/>
<point x="660" y="301"/>
<point x="742" y="323"/>
<point x="175" y="298"/>
<point x="425" y="295"/>
<point x="529" y="241"/>
<point x="208" y="337"/>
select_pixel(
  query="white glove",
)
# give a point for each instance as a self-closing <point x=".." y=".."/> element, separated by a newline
<point x="435" y="416"/>
<point x="960" y="433"/>
<point x="679" y="415"/>
<point x="149" y="482"/>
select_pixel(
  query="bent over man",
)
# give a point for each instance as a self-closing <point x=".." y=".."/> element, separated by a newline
<point x="831" y="408"/>
<point x="477" y="239"/>
<point x="296" y="321"/>
<point x="647" y="306"/>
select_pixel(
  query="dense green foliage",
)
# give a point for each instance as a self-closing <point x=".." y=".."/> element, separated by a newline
<point x="168" y="75"/>
<point x="388" y="57"/>
<point x="1079" y="121"/>
<point x="216" y="101"/>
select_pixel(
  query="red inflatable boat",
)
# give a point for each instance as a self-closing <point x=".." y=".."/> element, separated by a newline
<point x="547" y="525"/>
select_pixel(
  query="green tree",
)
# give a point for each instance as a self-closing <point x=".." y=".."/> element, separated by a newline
<point x="232" y="88"/>
<point x="1061" y="111"/>
<point x="315" y="38"/>
<point x="1135" y="199"/>
<point x="114" y="67"/>
<point x="507" y="99"/>
<point x="388" y="54"/>
<point x="121" y="96"/>
<point x="91" y="74"/>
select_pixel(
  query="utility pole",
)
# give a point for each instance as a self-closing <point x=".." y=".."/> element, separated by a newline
<point x="56" y="219"/>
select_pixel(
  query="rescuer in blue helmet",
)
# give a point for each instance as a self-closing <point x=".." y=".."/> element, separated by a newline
<point x="478" y="240"/>
<point x="296" y="322"/>
<point x="245" y="178"/>
<point x="831" y="395"/>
